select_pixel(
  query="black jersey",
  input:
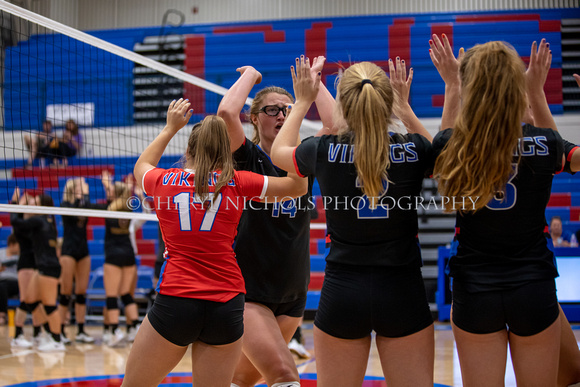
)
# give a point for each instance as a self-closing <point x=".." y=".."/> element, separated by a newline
<point x="22" y="233"/>
<point x="117" y="239"/>
<point x="272" y="245"/>
<point x="387" y="235"/>
<point x="503" y="244"/>
<point x="74" y="241"/>
<point x="117" y="236"/>
<point x="43" y="234"/>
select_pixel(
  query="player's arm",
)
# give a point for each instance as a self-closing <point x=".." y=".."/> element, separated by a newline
<point x="284" y="188"/>
<point x="536" y="75"/>
<point x="305" y="90"/>
<point x="324" y="101"/>
<point x="402" y="87"/>
<point x="178" y="116"/>
<point x="447" y="65"/>
<point x="233" y="102"/>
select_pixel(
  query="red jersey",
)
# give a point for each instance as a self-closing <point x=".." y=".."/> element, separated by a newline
<point x="199" y="256"/>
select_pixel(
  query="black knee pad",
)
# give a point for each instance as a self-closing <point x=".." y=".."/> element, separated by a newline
<point x="24" y="306"/>
<point x="81" y="299"/>
<point x="49" y="309"/>
<point x="127" y="299"/>
<point x="32" y="306"/>
<point x="64" y="300"/>
<point x="112" y="303"/>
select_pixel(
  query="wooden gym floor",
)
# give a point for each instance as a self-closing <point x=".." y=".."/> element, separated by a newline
<point x="98" y="365"/>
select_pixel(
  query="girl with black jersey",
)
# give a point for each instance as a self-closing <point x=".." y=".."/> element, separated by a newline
<point x="26" y="268"/>
<point x="373" y="278"/>
<point x="120" y="268"/>
<point x="275" y="260"/>
<point x="44" y="284"/>
<point x="75" y="260"/>
<point x="503" y="272"/>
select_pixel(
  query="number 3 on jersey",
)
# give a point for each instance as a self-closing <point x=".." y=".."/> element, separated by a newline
<point x="506" y="199"/>
<point x="184" y="205"/>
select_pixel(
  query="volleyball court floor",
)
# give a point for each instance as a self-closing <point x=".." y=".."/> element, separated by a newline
<point x="97" y="365"/>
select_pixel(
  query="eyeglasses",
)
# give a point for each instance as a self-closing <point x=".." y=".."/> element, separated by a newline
<point x="273" y="110"/>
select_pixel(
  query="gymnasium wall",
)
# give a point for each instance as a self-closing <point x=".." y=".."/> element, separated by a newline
<point x="102" y="14"/>
<point x="213" y="52"/>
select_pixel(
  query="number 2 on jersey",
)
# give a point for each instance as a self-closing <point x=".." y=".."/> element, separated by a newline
<point x="184" y="205"/>
<point x="363" y="207"/>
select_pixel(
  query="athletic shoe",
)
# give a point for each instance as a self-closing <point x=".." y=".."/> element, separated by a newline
<point x="298" y="349"/>
<point x="84" y="338"/>
<point x="51" y="346"/>
<point x="65" y="340"/>
<point x="117" y="338"/>
<point x="20" y="342"/>
<point x="39" y="339"/>
<point x="132" y="333"/>
<point x="106" y="337"/>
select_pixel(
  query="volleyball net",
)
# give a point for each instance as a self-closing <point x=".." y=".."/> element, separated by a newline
<point x="73" y="105"/>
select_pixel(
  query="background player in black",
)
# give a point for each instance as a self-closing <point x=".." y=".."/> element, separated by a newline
<point x="503" y="272"/>
<point x="26" y="270"/>
<point x="120" y="266"/>
<point x="272" y="246"/>
<point x="44" y="283"/>
<point x="75" y="260"/>
<point x="373" y="278"/>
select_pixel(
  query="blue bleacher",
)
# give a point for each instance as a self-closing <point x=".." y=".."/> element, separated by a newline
<point x="98" y="232"/>
<point x="96" y="247"/>
<point x="348" y="39"/>
<point x="150" y="230"/>
<point x="317" y="262"/>
<point x="562" y="212"/>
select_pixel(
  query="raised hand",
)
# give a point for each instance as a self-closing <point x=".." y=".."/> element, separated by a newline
<point x="178" y="114"/>
<point x="305" y="88"/>
<point x="317" y="66"/>
<point x="540" y="61"/>
<point x="243" y="69"/>
<point x="445" y="62"/>
<point x="400" y="83"/>
<point x="16" y="195"/>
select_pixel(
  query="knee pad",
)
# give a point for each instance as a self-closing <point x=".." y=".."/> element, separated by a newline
<point x="32" y="306"/>
<point x="112" y="303"/>
<point x="49" y="309"/>
<point x="24" y="306"/>
<point x="81" y="299"/>
<point x="127" y="299"/>
<point x="64" y="300"/>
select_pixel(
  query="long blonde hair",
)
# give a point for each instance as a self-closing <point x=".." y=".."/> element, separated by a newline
<point x="365" y="98"/>
<point x="208" y="150"/>
<point x="69" y="194"/>
<point x="477" y="160"/>
<point x="257" y="102"/>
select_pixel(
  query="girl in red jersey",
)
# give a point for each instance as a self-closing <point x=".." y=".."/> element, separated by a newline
<point x="201" y="288"/>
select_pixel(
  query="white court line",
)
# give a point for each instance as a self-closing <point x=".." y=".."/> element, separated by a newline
<point x="27" y="352"/>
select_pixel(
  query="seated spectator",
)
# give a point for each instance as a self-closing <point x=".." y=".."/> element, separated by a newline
<point x="35" y="142"/>
<point x="59" y="149"/>
<point x="72" y="137"/>
<point x="560" y="238"/>
<point x="8" y="276"/>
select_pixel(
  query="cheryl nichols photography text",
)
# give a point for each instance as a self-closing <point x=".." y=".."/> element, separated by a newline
<point x="330" y="203"/>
